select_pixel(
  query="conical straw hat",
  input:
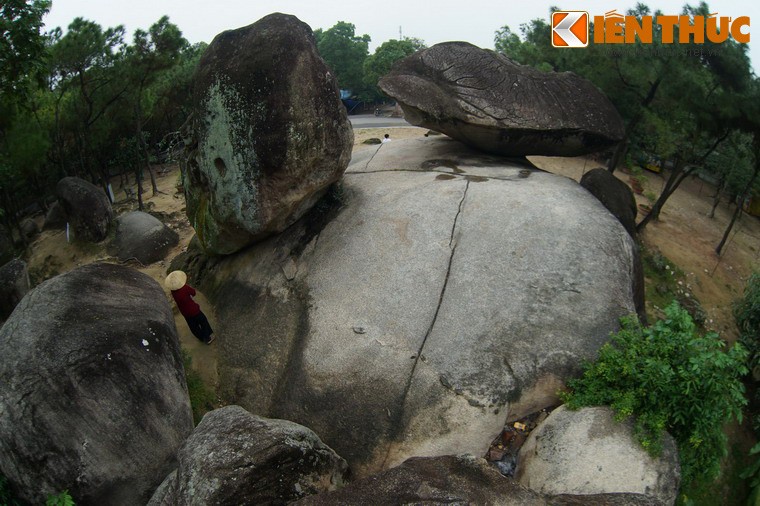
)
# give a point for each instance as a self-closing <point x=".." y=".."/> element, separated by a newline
<point x="175" y="280"/>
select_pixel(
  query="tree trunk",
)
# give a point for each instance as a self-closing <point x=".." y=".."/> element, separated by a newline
<point x="622" y="147"/>
<point x="739" y="206"/>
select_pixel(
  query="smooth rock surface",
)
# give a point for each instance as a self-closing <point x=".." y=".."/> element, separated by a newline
<point x="94" y="398"/>
<point x="87" y="207"/>
<point x="588" y="452"/>
<point x="486" y="100"/>
<point x="14" y="284"/>
<point x="269" y="133"/>
<point x="142" y="236"/>
<point x="234" y="457"/>
<point x="446" y="292"/>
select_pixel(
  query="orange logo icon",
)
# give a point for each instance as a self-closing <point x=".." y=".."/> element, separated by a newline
<point x="570" y="29"/>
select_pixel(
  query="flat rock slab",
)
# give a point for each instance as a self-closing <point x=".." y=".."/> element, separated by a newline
<point x="452" y="291"/>
<point x="494" y="104"/>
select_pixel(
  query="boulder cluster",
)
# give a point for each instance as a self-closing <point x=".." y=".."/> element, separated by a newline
<point x="403" y="306"/>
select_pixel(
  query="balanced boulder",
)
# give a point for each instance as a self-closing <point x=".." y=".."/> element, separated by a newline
<point x="234" y="457"/>
<point x="142" y="236"/>
<point x="589" y="452"/>
<point x="87" y="208"/>
<point x="443" y="293"/>
<point x="490" y="102"/>
<point x="269" y="133"/>
<point x="94" y="398"/>
<point x="14" y="284"/>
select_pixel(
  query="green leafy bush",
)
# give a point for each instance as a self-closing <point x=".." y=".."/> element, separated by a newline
<point x="670" y="378"/>
<point x="62" y="499"/>
<point x="747" y="315"/>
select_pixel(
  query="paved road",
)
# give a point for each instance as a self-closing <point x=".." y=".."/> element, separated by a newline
<point x="372" y="121"/>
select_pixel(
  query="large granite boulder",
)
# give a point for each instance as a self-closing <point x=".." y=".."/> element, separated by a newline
<point x="269" y="133"/>
<point x="588" y="452"/>
<point x="447" y="292"/>
<point x="142" y="236"/>
<point x="461" y="479"/>
<point x="56" y="217"/>
<point x="234" y="457"/>
<point x="87" y="207"/>
<point x="614" y="194"/>
<point x="14" y="284"/>
<point x="94" y="397"/>
<point x="492" y="103"/>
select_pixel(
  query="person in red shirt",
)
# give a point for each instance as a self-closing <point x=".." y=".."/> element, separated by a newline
<point x="183" y="295"/>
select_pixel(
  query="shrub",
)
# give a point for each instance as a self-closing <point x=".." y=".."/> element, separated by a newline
<point x="747" y="315"/>
<point x="669" y="377"/>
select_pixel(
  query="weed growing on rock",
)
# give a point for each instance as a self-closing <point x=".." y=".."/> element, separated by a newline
<point x="671" y="378"/>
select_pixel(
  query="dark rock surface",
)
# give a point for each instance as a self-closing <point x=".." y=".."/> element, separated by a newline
<point x="269" y="133"/>
<point x="29" y="229"/>
<point x="491" y="103"/>
<point x="55" y="217"/>
<point x="440" y="480"/>
<point x="456" y="480"/>
<point x="234" y="457"/>
<point x="94" y="398"/>
<point x="87" y="207"/>
<point x="142" y="236"/>
<point x="14" y="284"/>
<point x="614" y="194"/>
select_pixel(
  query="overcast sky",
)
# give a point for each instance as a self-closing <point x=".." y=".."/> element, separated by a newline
<point x="473" y="21"/>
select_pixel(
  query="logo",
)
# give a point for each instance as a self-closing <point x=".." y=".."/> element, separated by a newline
<point x="570" y="29"/>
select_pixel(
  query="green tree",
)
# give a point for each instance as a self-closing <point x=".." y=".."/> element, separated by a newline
<point x="150" y="54"/>
<point x="669" y="378"/>
<point x="389" y="52"/>
<point x="21" y="44"/>
<point x="82" y="63"/>
<point x="345" y="53"/>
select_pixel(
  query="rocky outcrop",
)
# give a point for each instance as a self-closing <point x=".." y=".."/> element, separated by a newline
<point x="55" y="217"/>
<point x="14" y="284"/>
<point x="29" y="229"/>
<point x="94" y="397"/>
<point x="452" y="479"/>
<point x="268" y="136"/>
<point x="234" y="457"/>
<point x="440" y="293"/>
<point x="143" y="237"/>
<point x="87" y="207"/>
<point x="588" y="452"/>
<point x="492" y="103"/>
<point x="614" y="194"/>
<point x="460" y="479"/>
